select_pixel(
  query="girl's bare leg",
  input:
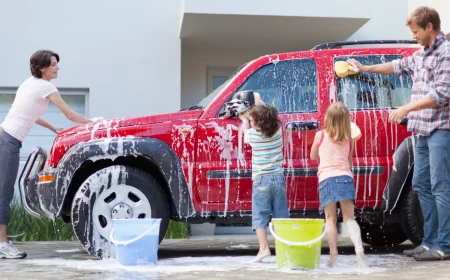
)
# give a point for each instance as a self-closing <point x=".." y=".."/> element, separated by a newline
<point x="354" y="231"/>
<point x="331" y="219"/>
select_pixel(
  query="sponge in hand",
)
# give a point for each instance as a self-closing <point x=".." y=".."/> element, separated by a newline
<point x="343" y="69"/>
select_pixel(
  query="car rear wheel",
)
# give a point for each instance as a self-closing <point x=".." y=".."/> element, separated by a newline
<point x="412" y="217"/>
<point x="382" y="234"/>
<point x="115" y="192"/>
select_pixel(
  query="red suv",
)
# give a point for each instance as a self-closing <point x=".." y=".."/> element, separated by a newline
<point x="193" y="165"/>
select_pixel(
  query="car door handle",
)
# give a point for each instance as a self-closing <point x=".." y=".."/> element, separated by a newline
<point x="302" y="125"/>
<point x="403" y="121"/>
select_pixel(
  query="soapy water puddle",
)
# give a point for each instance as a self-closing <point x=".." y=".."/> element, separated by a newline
<point x="68" y="251"/>
<point x="241" y="246"/>
<point x="346" y="265"/>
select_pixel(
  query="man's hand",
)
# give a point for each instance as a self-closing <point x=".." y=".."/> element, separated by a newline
<point x="361" y="68"/>
<point x="397" y="115"/>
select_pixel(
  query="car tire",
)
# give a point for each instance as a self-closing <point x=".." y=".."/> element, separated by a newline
<point x="119" y="192"/>
<point x="382" y="234"/>
<point x="411" y="216"/>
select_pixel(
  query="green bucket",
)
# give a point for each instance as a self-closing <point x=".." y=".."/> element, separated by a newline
<point x="298" y="242"/>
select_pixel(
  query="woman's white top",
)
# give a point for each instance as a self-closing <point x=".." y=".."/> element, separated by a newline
<point x="29" y="104"/>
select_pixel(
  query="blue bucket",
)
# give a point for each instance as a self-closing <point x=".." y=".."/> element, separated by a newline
<point x="136" y="241"/>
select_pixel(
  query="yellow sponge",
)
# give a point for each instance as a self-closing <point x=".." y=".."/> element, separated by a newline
<point x="343" y="69"/>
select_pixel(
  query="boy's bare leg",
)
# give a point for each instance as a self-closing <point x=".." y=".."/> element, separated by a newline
<point x="331" y="219"/>
<point x="348" y="210"/>
<point x="264" y="250"/>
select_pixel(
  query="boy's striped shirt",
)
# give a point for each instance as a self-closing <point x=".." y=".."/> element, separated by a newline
<point x="267" y="153"/>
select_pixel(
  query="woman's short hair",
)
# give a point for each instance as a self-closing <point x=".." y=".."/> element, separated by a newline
<point x="41" y="59"/>
<point x="266" y="118"/>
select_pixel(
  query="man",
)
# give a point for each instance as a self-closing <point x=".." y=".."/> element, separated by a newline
<point x="429" y="117"/>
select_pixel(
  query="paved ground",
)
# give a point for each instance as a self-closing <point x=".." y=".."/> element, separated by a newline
<point x="215" y="257"/>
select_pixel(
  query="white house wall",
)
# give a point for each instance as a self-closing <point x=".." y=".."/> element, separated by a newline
<point x="194" y="69"/>
<point x="301" y="8"/>
<point x="126" y="53"/>
<point x="387" y="21"/>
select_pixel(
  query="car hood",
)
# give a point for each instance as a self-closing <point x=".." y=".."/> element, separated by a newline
<point x="134" y="121"/>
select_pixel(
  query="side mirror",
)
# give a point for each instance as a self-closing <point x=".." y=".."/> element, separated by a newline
<point x="245" y="95"/>
<point x="240" y="102"/>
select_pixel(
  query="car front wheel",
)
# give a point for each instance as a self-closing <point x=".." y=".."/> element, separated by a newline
<point x="115" y="192"/>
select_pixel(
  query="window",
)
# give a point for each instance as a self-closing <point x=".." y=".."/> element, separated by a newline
<point x="366" y="91"/>
<point x="217" y="75"/>
<point x="219" y="80"/>
<point x="290" y="86"/>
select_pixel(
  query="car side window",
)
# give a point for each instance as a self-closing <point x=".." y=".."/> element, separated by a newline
<point x="290" y="86"/>
<point x="370" y="91"/>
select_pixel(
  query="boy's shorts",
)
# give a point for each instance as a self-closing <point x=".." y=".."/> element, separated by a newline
<point x="268" y="197"/>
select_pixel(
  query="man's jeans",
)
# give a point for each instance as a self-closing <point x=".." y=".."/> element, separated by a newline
<point x="431" y="180"/>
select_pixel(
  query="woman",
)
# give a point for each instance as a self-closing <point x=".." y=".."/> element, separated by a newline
<point x="30" y="103"/>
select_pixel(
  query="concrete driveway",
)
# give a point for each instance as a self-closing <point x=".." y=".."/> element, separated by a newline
<point x="212" y="257"/>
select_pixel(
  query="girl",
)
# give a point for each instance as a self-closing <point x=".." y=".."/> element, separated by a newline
<point x="334" y="147"/>
<point x="269" y="185"/>
<point x="30" y="103"/>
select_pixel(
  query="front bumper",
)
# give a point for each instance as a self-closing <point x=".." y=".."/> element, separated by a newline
<point x="29" y="177"/>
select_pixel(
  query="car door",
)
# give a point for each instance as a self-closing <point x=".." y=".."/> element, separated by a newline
<point x="292" y="87"/>
<point x="370" y="98"/>
<point x="289" y="82"/>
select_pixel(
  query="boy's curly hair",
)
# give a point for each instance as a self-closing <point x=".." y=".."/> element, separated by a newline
<point x="265" y="117"/>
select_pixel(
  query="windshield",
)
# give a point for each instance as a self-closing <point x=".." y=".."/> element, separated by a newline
<point x="205" y="101"/>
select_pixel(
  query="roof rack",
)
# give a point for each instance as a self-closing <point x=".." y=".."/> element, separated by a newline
<point x="333" y="45"/>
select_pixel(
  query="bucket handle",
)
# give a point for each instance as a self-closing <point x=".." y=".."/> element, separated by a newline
<point x="291" y="243"/>
<point x="126" y="242"/>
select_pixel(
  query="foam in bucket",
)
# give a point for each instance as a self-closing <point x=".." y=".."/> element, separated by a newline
<point x="136" y="241"/>
<point x="298" y="242"/>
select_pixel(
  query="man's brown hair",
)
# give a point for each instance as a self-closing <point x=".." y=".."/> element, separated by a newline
<point x="41" y="59"/>
<point x="266" y="119"/>
<point x="424" y="15"/>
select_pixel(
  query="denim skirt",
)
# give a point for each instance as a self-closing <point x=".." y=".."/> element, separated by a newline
<point x="336" y="189"/>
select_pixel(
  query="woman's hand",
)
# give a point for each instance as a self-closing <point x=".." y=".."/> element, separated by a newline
<point x="56" y="129"/>
<point x="45" y="124"/>
<point x="97" y="119"/>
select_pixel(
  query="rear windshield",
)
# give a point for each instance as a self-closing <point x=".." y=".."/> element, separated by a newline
<point x="369" y="91"/>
